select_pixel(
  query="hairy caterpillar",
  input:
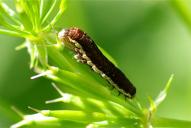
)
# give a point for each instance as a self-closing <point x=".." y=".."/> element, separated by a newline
<point x="87" y="52"/>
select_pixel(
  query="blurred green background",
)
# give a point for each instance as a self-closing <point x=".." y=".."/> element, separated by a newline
<point x="148" y="39"/>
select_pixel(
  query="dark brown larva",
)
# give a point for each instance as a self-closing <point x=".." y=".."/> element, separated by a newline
<point x="87" y="52"/>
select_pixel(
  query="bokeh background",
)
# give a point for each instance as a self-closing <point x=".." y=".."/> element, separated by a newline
<point x="148" y="39"/>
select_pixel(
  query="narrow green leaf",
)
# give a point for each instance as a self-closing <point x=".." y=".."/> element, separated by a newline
<point x="49" y="12"/>
<point x="75" y="115"/>
<point x="21" y="46"/>
<point x="9" y="13"/>
<point x="12" y="33"/>
<point x="37" y="120"/>
<point x="41" y="8"/>
<point x="57" y="17"/>
<point x="161" y="97"/>
<point x="63" y="5"/>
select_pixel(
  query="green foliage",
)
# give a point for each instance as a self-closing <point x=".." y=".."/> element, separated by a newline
<point x="97" y="105"/>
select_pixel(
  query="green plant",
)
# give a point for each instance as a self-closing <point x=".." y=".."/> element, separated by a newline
<point x="96" y="105"/>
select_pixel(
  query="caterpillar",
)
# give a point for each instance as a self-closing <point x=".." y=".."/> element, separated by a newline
<point x="87" y="52"/>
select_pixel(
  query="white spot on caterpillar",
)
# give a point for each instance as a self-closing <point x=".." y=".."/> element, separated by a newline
<point x="85" y="57"/>
<point x="77" y="45"/>
<point x="78" y="61"/>
<point x="77" y="56"/>
<point x="103" y="75"/>
<point x="76" y="49"/>
<point x="95" y="69"/>
<point x="89" y="63"/>
<point x="81" y="51"/>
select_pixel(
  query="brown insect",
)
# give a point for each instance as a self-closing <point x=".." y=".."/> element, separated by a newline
<point x="87" y="52"/>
